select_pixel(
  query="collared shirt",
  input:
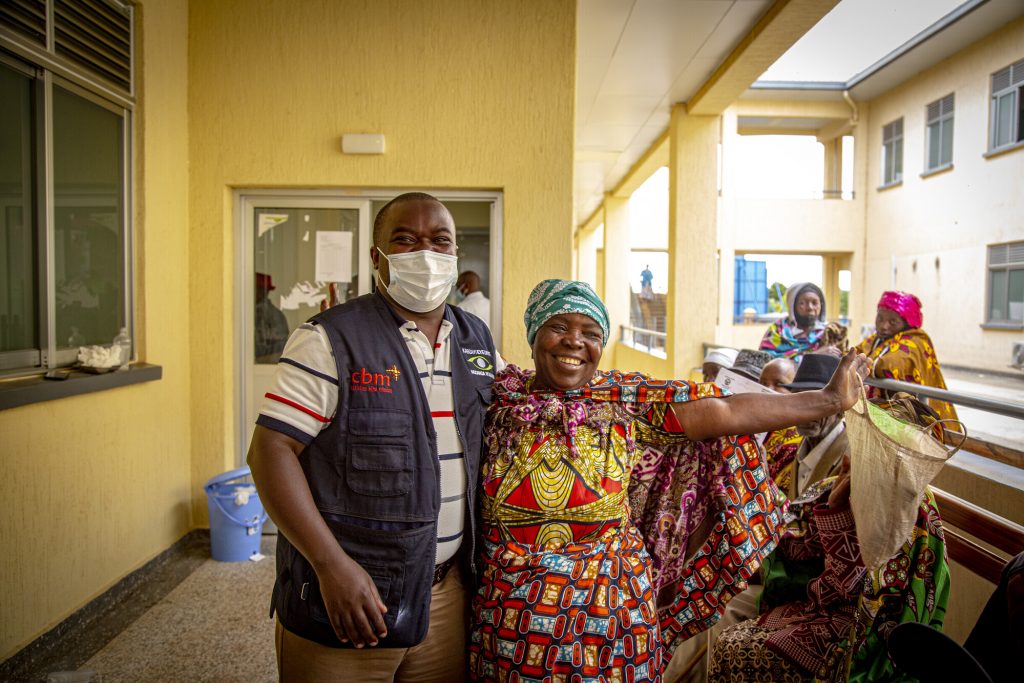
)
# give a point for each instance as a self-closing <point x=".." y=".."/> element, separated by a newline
<point x="814" y="464"/>
<point x="479" y="305"/>
<point x="304" y="399"/>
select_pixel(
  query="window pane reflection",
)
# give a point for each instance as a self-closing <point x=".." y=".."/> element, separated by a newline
<point x="293" y="250"/>
<point x="19" y="310"/>
<point x="998" y="289"/>
<point x="89" y="242"/>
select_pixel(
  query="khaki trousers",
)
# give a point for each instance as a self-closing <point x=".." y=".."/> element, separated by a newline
<point x="441" y="657"/>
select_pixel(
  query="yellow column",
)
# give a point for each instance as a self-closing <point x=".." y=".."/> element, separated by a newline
<point x="692" y="237"/>
<point x="833" y="185"/>
<point x="831" y="265"/>
<point x="615" y="280"/>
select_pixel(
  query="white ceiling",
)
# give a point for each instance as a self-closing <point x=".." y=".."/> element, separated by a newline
<point x="636" y="59"/>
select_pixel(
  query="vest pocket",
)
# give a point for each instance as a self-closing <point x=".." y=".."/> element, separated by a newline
<point x="376" y="469"/>
<point x="392" y="558"/>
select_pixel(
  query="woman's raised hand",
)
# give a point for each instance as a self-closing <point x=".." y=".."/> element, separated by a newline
<point x="846" y="382"/>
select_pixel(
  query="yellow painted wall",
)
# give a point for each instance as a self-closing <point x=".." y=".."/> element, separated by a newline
<point x="938" y="227"/>
<point x="631" y="360"/>
<point x="92" y="487"/>
<point x="468" y="95"/>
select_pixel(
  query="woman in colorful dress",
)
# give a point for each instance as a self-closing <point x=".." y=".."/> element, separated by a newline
<point x="804" y="329"/>
<point x="618" y="516"/>
<point x="901" y="350"/>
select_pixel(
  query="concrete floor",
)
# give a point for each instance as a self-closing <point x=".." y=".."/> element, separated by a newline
<point x="213" y="625"/>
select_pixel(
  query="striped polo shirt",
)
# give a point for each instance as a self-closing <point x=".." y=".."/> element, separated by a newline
<point x="304" y="399"/>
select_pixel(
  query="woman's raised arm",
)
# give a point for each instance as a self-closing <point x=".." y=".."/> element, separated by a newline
<point x="752" y="413"/>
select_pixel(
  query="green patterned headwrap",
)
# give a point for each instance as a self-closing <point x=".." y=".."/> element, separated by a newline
<point x="555" y="297"/>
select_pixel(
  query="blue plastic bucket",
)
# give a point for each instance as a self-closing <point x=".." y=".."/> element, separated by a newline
<point x="236" y="516"/>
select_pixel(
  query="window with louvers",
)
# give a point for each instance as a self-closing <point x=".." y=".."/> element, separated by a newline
<point x="1007" y="124"/>
<point x="940" y="133"/>
<point x="1006" y="283"/>
<point x="94" y="35"/>
<point x="25" y="17"/>
<point x="892" y="152"/>
<point x="65" y="179"/>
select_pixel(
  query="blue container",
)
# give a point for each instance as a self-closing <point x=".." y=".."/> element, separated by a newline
<point x="236" y="516"/>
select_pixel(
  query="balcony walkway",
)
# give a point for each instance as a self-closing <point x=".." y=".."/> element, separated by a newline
<point x="211" y="626"/>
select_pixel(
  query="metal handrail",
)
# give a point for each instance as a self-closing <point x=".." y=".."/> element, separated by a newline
<point x="1006" y="408"/>
<point x="642" y="330"/>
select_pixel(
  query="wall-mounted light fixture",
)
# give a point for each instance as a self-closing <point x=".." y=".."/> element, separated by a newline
<point x="362" y="143"/>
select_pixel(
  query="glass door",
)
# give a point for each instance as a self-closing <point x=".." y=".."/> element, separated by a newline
<point x="300" y="255"/>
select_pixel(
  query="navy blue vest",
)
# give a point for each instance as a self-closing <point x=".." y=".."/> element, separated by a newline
<point x="374" y="471"/>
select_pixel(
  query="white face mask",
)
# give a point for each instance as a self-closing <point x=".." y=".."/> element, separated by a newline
<point x="420" y="280"/>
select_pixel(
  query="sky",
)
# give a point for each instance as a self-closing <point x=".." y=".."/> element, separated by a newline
<point x="855" y="35"/>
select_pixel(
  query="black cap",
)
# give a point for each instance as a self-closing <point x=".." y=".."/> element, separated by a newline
<point x="814" y="372"/>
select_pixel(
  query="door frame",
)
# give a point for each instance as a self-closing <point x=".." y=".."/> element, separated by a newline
<point x="246" y="200"/>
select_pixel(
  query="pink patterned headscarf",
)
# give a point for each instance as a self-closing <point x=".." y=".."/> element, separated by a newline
<point x="905" y="304"/>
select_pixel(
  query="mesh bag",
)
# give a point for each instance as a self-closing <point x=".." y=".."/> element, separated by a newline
<point x="891" y="463"/>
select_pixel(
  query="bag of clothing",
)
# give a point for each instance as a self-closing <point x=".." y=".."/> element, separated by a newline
<point x="891" y="463"/>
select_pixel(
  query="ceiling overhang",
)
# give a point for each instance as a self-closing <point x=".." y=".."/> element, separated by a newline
<point x="638" y="59"/>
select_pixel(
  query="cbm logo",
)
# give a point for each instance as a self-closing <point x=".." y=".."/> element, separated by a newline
<point x="364" y="380"/>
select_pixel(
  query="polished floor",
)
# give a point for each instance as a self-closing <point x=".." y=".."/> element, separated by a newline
<point x="212" y="626"/>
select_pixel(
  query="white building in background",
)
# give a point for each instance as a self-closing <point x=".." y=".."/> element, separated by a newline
<point x="937" y="201"/>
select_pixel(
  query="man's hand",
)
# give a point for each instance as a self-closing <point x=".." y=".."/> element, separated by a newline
<point x="353" y="604"/>
<point x="844" y="384"/>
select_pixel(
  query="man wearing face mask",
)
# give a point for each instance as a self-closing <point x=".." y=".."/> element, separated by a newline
<point x="366" y="455"/>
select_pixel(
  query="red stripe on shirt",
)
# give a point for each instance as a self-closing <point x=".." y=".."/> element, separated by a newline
<point x="295" y="405"/>
<point x="442" y="413"/>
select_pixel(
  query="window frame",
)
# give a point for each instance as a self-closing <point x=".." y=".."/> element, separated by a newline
<point x="940" y="114"/>
<point x="1004" y="267"/>
<point x="892" y="134"/>
<point x="48" y="70"/>
<point x="1014" y="74"/>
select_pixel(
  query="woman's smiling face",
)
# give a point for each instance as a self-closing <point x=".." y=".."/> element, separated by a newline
<point x="566" y="351"/>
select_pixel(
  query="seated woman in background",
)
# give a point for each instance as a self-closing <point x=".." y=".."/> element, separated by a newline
<point x="901" y="350"/>
<point x="804" y="329"/>
<point x="618" y="515"/>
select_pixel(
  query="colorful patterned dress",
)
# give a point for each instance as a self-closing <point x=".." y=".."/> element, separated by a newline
<point x="907" y="356"/>
<point x="609" y="536"/>
<point x="838" y="632"/>
<point x="785" y="339"/>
